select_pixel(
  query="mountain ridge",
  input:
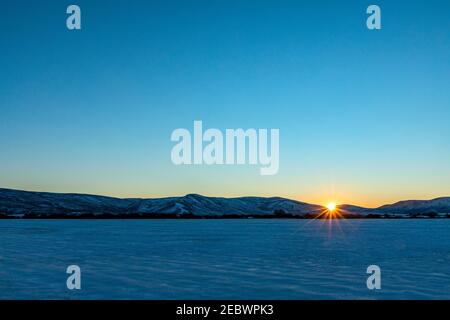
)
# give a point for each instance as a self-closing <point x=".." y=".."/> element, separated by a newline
<point x="32" y="204"/>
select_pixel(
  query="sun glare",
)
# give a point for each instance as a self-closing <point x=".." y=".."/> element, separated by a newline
<point x="331" y="206"/>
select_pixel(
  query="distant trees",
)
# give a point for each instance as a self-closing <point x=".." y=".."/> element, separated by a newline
<point x="431" y="214"/>
<point x="279" y="213"/>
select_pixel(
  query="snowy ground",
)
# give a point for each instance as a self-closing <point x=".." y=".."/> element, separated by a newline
<point x="225" y="259"/>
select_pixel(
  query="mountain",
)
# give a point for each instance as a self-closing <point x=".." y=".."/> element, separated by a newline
<point x="27" y="204"/>
<point x="351" y="209"/>
<point x="202" y="206"/>
<point x="43" y="204"/>
<point x="16" y="202"/>
<point x="414" y="207"/>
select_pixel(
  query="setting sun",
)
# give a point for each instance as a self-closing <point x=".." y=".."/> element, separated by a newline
<point x="331" y="206"/>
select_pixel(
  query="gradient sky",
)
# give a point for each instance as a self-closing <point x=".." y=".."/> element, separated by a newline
<point x="363" y="115"/>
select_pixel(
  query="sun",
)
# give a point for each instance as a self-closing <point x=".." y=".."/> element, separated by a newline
<point x="331" y="206"/>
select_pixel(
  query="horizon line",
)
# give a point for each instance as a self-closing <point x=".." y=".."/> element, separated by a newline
<point x="206" y="196"/>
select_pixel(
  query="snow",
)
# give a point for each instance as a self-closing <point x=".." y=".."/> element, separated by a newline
<point x="225" y="259"/>
<point x="16" y="202"/>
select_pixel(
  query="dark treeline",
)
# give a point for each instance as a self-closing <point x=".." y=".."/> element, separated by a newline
<point x="136" y="216"/>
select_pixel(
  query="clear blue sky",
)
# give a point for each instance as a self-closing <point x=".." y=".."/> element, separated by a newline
<point x="363" y="115"/>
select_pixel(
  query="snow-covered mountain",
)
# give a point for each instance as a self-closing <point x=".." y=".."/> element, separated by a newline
<point x="24" y="202"/>
<point x="16" y="203"/>
<point x="207" y="206"/>
<point x="438" y="205"/>
<point x="351" y="209"/>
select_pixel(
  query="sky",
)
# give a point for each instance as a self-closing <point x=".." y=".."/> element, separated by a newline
<point x="363" y="114"/>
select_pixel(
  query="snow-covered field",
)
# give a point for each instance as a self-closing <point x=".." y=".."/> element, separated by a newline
<point x="225" y="259"/>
